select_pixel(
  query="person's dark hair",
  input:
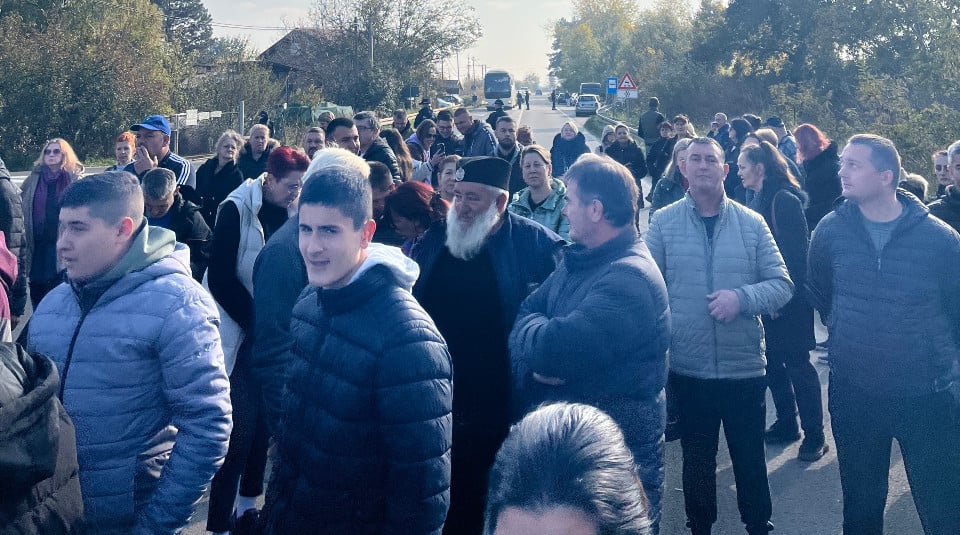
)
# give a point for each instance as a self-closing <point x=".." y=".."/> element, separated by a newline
<point x="345" y="122"/>
<point x="915" y="184"/>
<point x="505" y="119"/>
<point x="380" y="177"/>
<point x="568" y="455"/>
<point x="742" y="128"/>
<point x="810" y="141"/>
<point x="883" y="153"/>
<point x="445" y="115"/>
<point x="668" y="125"/>
<point x="654" y="102"/>
<point x="776" y="173"/>
<point x="606" y="180"/>
<point x="417" y="202"/>
<point x="461" y="111"/>
<point x="703" y="140"/>
<point x="424" y="128"/>
<point x="109" y="196"/>
<point x="343" y="188"/>
<point x="158" y="183"/>
<point x="754" y="120"/>
<point x="283" y="160"/>
<point x="400" y="150"/>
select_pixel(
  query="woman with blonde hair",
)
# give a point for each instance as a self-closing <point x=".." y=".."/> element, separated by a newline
<point x="55" y="169"/>
<point x="218" y="176"/>
<point x="568" y="145"/>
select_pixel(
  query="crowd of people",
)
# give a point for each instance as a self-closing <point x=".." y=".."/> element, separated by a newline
<point x="444" y="327"/>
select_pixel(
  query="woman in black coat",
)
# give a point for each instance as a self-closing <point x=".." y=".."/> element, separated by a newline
<point x="821" y="165"/>
<point x="660" y="154"/>
<point x="739" y="128"/>
<point x="788" y="333"/>
<point x="568" y="145"/>
<point x="627" y="152"/>
<point x="217" y="177"/>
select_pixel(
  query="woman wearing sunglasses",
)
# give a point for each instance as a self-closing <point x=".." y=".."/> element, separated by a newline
<point x="55" y="169"/>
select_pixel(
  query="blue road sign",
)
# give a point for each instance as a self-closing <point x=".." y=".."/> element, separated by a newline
<point x="612" y="85"/>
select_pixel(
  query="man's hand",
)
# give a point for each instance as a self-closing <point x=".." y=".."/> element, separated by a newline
<point x="724" y="305"/>
<point x="144" y="162"/>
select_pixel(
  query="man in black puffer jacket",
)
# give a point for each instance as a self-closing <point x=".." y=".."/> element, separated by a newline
<point x="40" y="492"/>
<point x="364" y="439"/>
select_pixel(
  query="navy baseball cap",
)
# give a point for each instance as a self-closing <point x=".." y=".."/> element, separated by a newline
<point x="154" y="122"/>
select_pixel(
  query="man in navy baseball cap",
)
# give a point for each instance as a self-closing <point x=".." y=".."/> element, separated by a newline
<point x="153" y="150"/>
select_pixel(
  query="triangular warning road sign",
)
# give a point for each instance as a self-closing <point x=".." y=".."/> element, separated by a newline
<point x="627" y="83"/>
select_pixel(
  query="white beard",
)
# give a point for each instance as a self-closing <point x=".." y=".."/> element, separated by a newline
<point x="466" y="242"/>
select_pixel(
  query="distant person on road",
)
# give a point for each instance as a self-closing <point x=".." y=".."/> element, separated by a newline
<point x="567" y="146"/>
<point x="544" y="196"/>
<point x="135" y="341"/>
<point x="426" y="112"/>
<point x="526" y="99"/>
<point x="508" y="149"/>
<point x="124" y="147"/>
<point x="164" y="207"/>
<point x="628" y="153"/>
<point x="219" y="176"/>
<point x="256" y="151"/>
<point x="553" y="99"/>
<point x="496" y="113"/>
<point x="153" y="150"/>
<point x="478" y="136"/>
<point x="374" y="148"/>
<point x="314" y="139"/>
<point x="41" y="194"/>
<point x="565" y="468"/>
<point x="575" y="338"/>
<point x="723" y="270"/>
<point x="649" y="125"/>
<point x="342" y="132"/>
<point x="888" y="382"/>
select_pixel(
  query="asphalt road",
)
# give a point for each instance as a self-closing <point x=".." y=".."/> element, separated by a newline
<point x="806" y="497"/>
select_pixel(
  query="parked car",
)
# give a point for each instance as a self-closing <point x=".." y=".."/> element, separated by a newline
<point x="452" y="99"/>
<point x="587" y="105"/>
<point x="562" y="97"/>
<point x="538" y="92"/>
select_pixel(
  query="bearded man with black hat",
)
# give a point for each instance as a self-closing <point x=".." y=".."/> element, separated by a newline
<point x="475" y="270"/>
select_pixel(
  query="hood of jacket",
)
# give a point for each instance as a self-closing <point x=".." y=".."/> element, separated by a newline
<point x="246" y="150"/>
<point x="29" y="429"/>
<point x="404" y="269"/>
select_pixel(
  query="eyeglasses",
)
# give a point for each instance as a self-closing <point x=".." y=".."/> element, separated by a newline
<point x="48" y="152"/>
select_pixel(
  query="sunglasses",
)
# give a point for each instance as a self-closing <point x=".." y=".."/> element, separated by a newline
<point x="48" y="152"/>
<point x="940" y="167"/>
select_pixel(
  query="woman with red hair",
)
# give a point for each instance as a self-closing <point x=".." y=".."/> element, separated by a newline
<point x="821" y="165"/>
<point x="412" y="208"/>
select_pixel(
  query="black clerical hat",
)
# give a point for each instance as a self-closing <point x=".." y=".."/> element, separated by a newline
<point x="484" y="170"/>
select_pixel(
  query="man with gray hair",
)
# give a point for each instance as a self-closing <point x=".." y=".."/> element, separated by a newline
<point x="474" y="273"/>
<point x="947" y="207"/>
<point x="881" y="272"/>
<point x="165" y="207"/>
<point x="723" y="270"/>
<point x="374" y="148"/>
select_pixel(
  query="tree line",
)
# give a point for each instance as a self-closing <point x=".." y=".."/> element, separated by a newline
<point x="887" y="66"/>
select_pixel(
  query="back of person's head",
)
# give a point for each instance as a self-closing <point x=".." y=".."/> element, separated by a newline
<point x="768" y="135"/>
<point x="345" y="122"/>
<point x="158" y="183"/>
<point x="417" y="202"/>
<point x="810" y="141"/>
<point x="742" y="128"/>
<point x="654" y="102"/>
<point x="953" y="153"/>
<point x="915" y="184"/>
<point x="883" y="153"/>
<point x="343" y="188"/>
<point x="284" y="160"/>
<point x="380" y="177"/>
<point x="606" y="180"/>
<point x="571" y="456"/>
<point x="326" y="115"/>
<point x="395" y="141"/>
<point x="753" y="119"/>
<point x="109" y="196"/>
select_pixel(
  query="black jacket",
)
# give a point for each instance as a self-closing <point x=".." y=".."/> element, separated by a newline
<point x="822" y="183"/>
<point x="214" y="186"/>
<point x="40" y="490"/>
<point x="563" y="152"/>
<point x="947" y="208"/>
<point x="423" y="115"/>
<point x="630" y="156"/>
<point x="191" y="230"/>
<point x="894" y="314"/>
<point x="250" y="167"/>
<point x="659" y="156"/>
<point x="364" y="442"/>
<point x="11" y="224"/>
<point x="379" y="151"/>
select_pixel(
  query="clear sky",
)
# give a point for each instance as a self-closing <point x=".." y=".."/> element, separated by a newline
<point x="516" y="34"/>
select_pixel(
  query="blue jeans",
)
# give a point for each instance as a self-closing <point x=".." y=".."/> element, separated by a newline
<point x="927" y="428"/>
